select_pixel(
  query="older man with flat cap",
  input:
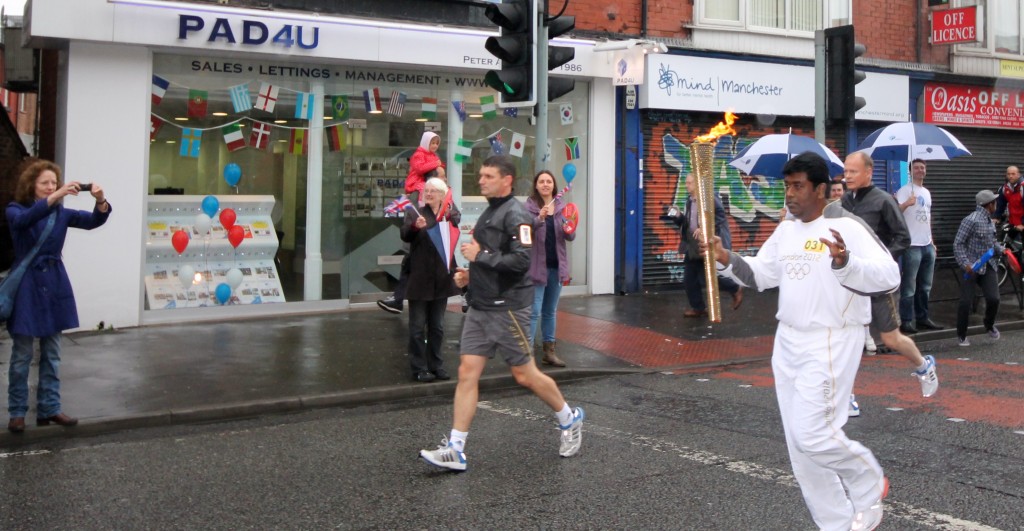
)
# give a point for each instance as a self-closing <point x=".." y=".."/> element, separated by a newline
<point x="976" y="237"/>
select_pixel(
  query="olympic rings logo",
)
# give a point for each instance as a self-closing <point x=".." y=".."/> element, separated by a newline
<point x="922" y="216"/>
<point x="798" y="271"/>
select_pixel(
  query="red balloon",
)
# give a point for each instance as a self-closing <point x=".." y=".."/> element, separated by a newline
<point x="227" y="218"/>
<point x="180" y="241"/>
<point x="235" y="235"/>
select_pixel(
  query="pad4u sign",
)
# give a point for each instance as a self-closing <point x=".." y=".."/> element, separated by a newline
<point x="954" y="26"/>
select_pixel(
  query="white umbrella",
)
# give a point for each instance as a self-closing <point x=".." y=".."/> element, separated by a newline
<point x="912" y="140"/>
<point x="770" y="153"/>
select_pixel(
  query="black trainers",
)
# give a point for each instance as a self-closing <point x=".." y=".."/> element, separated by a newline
<point x="442" y="374"/>
<point x="908" y="328"/>
<point x="390" y="305"/>
<point x="928" y="324"/>
<point x="423" y="376"/>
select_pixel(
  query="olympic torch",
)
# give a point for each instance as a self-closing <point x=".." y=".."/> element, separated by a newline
<point x="702" y="152"/>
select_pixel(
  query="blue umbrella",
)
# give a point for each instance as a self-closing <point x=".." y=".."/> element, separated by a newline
<point x="911" y="140"/>
<point x="770" y="153"/>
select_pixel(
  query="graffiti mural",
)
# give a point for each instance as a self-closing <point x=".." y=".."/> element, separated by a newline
<point x="752" y="203"/>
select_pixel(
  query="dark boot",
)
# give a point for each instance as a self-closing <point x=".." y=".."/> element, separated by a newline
<point x="550" y="358"/>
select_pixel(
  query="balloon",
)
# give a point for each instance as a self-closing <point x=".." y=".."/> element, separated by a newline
<point x="232" y="174"/>
<point x="235" y="235"/>
<point x="223" y="292"/>
<point x="234" y="277"/>
<point x="179" y="240"/>
<point x="210" y="205"/>
<point x="569" y="172"/>
<point x="186" y="274"/>
<point x="203" y="223"/>
<point x="227" y="218"/>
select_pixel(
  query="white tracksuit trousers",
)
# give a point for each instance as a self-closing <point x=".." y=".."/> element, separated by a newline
<point x="814" y="373"/>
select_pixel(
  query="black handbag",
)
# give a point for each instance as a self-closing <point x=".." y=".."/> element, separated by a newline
<point x="9" y="285"/>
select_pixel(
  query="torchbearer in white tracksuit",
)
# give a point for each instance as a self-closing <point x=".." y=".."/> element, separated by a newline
<point x="826" y="263"/>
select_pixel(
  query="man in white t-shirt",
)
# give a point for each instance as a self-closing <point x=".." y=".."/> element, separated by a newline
<point x="918" y="261"/>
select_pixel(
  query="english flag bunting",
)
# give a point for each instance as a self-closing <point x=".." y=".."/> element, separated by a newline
<point x="397" y="104"/>
<point x="372" y="100"/>
<point x="267" y="98"/>
<point x="304" y="105"/>
<point x="429" y="108"/>
<point x="260" y="136"/>
<point x="159" y="88"/>
<point x="190" y="141"/>
<point x="335" y="138"/>
<point x="233" y="137"/>
<point x="240" y="99"/>
<point x="297" y="143"/>
<point x="197" y="103"/>
<point x="518" y="145"/>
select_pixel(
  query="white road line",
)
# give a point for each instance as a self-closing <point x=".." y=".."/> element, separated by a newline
<point x="894" y="509"/>
<point x="23" y="454"/>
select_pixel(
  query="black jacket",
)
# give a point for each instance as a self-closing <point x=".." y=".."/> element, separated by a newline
<point x="882" y="214"/>
<point x="497" y="278"/>
<point x="689" y="245"/>
<point x="429" y="279"/>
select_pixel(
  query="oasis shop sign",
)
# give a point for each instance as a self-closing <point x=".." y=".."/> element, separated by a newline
<point x="969" y="105"/>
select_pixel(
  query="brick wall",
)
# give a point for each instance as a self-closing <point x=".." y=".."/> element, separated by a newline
<point x="889" y="29"/>
<point x="665" y="18"/>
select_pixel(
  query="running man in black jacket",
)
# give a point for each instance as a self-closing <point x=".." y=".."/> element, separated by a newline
<point x="499" y="315"/>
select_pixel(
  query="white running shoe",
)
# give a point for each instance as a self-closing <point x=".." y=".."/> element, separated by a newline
<point x="854" y="407"/>
<point x="869" y="343"/>
<point x="993" y="332"/>
<point x="929" y="380"/>
<point x="572" y="435"/>
<point x="963" y="341"/>
<point x="445" y="456"/>
<point x="872" y="517"/>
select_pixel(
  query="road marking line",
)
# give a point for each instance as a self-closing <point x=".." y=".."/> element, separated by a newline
<point x="23" y="454"/>
<point x="893" y="509"/>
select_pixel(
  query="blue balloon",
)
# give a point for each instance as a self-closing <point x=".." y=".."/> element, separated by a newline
<point x="223" y="292"/>
<point x="569" y="172"/>
<point x="232" y="174"/>
<point x="210" y="205"/>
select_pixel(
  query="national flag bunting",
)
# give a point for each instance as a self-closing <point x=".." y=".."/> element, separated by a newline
<point x="304" y="105"/>
<point x="397" y="104"/>
<point x="233" y="137"/>
<point x="240" y="99"/>
<point x="429" y="108"/>
<point x="572" y="148"/>
<point x="267" y="98"/>
<point x="297" y="143"/>
<point x="372" y="99"/>
<point x="197" y="100"/>
<point x="190" y="141"/>
<point x="339" y="107"/>
<point x="154" y="126"/>
<point x="565" y="111"/>
<point x="260" y="136"/>
<point x="464" y="151"/>
<point x="159" y="88"/>
<point x="335" y="138"/>
<point x="488" y="107"/>
<point x="460" y="109"/>
<point x="518" y="145"/>
<point x="496" y="146"/>
<point x="512" y="112"/>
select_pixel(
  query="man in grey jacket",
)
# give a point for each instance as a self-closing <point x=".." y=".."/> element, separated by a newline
<point x="499" y="315"/>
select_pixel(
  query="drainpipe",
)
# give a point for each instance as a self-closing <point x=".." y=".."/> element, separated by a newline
<point x="643" y="19"/>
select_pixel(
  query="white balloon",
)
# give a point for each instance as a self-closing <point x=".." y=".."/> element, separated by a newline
<point x="234" y="277"/>
<point x="203" y="223"/>
<point x="186" y="274"/>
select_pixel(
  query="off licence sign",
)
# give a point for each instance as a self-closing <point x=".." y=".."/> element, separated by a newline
<point x="952" y="26"/>
<point x="972" y="105"/>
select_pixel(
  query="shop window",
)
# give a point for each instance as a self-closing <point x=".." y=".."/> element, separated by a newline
<point x="1000" y="30"/>
<point x="791" y="16"/>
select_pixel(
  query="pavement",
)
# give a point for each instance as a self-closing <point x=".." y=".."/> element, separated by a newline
<point x="212" y="371"/>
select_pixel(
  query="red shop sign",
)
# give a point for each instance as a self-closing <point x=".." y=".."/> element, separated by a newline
<point x="951" y="26"/>
<point x="972" y="105"/>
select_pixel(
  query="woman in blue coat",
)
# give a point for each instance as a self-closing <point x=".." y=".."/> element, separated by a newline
<point x="44" y="305"/>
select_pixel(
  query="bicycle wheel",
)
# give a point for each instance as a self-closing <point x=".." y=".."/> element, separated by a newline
<point x="1001" y="269"/>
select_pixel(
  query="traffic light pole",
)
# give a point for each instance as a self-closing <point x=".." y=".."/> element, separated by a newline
<point x="541" y="152"/>
<point x="819" y="86"/>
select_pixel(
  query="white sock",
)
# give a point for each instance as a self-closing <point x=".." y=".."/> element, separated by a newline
<point x="564" y="416"/>
<point x="458" y="439"/>
<point x="923" y="366"/>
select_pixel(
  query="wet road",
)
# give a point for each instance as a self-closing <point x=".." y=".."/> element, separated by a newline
<point x="695" y="449"/>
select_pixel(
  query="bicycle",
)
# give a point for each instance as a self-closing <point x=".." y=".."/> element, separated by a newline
<point x="1002" y="266"/>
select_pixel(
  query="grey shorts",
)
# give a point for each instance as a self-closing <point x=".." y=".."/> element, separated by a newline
<point x="486" y="333"/>
<point x="885" y="312"/>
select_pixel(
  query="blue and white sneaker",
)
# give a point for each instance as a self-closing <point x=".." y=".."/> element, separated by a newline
<point x="929" y="380"/>
<point x="445" y="456"/>
<point x="993" y="332"/>
<point x="854" y="407"/>
<point x="572" y="435"/>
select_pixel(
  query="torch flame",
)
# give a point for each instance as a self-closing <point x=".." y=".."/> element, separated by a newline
<point x="723" y="128"/>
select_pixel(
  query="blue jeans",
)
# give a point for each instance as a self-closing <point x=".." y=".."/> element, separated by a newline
<point x="545" y="304"/>
<point x="916" y="282"/>
<point x="48" y="391"/>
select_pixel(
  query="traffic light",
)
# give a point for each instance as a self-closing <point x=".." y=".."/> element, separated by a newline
<point x="559" y="55"/>
<point x="516" y="46"/>
<point x="841" y="74"/>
